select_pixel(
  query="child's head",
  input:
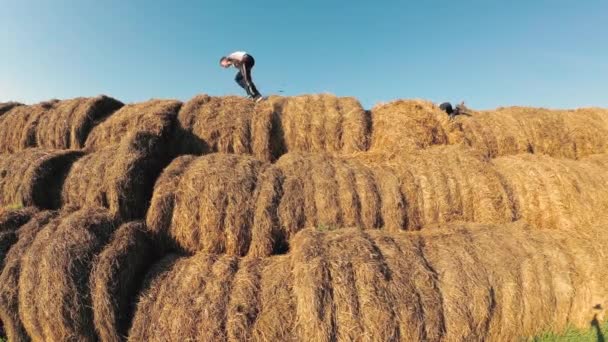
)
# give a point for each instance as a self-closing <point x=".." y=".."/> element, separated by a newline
<point x="224" y="62"/>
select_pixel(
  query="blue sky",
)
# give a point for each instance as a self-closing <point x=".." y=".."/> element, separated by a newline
<point x="488" y="53"/>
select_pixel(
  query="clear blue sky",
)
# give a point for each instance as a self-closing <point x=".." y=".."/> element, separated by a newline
<point x="490" y="53"/>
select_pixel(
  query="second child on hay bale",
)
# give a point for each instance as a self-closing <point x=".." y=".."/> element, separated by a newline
<point x="244" y="62"/>
<point x="460" y="109"/>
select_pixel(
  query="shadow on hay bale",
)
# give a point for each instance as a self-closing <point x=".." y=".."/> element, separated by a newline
<point x="34" y="177"/>
<point x="53" y="124"/>
<point x="463" y="282"/>
<point x="308" y="123"/>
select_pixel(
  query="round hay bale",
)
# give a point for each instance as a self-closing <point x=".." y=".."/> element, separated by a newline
<point x="555" y="193"/>
<point x="211" y="204"/>
<point x="468" y="282"/>
<point x="237" y="300"/>
<point x="154" y="117"/>
<point x="54" y="124"/>
<point x="320" y="123"/>
<point x="9" y="278"/>
<point x="10" y="221"/>
<point x="54" y="296"/>
<point x="34" y="177"/>
<point x="116" y="278"/>
<point x="119" y="177"/>
<point x="223" y="124"/>
<point x="405" y="126"/>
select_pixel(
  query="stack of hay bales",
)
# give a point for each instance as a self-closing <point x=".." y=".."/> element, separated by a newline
<point x="34" y="177"/>
<point x="307" y="123"/>
<point x="452" y="285"/>
<point x="127" y="152"/>
<point x="232" y="204"/>
<point x="53" y="124"/>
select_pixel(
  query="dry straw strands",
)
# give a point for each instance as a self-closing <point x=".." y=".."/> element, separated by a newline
<point x="34" y="177"/>
<point x="116" y="278"/>
<point x="9" y="277"/>
<point x="307" y="123"/>
<point x="54" y="295"/>
<point x="453" y="285"/>
<point x="53" y="124"/>
<point x="154" y="117"/>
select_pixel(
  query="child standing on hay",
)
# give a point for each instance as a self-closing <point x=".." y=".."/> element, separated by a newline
<point x="244" y="62"/>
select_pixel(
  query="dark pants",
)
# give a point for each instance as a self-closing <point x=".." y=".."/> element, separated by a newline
<point x="243" y="77"/>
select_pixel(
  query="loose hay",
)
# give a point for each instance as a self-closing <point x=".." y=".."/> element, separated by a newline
<point x="34" y="177"/>
<point x="155" y="117"/>
<point x="308" y="123"/>
<point x="116" y="278"/>
<point x="9" y="278"/>
<point x="451" y="285"/>
<point x="53" y="124"/>
<point x="119" y="177"/>
<point x="54" y="296"/>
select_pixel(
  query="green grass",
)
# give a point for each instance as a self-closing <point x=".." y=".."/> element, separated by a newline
<point x="596" y="333"/>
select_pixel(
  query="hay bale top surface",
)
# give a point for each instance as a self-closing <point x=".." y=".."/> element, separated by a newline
<point x="156" y="117"/>
<point x="54" y="124"/>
